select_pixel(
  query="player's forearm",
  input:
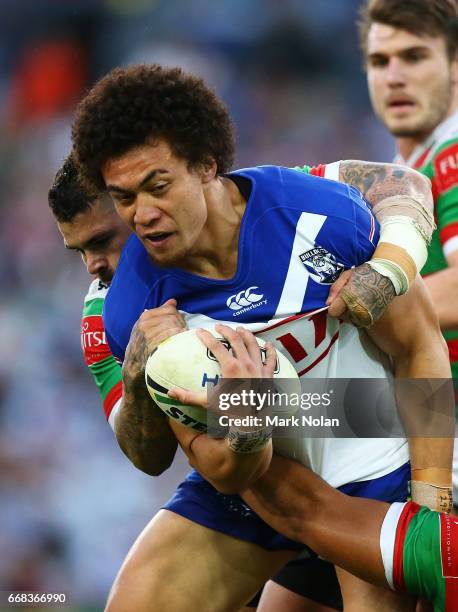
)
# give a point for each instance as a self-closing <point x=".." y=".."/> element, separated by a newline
<point x="229" y="472"/>
<point x="402" y="202"/>
<point x="300" y="505"/>
<point x="143" y="433"/>
<point x="426" y="407"/>
<point x="378" y="181"/>
<point x="443" y="288"/>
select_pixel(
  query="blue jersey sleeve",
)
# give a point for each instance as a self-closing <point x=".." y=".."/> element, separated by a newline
<point x="367" y="229"/>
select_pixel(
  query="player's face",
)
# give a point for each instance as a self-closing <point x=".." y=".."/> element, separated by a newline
<point x="161" y="199"/>
<point x="99" y="235"/>
<point x="410" y="80"/>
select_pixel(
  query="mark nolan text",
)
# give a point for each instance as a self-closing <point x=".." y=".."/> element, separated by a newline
<point x="278" y="421"/>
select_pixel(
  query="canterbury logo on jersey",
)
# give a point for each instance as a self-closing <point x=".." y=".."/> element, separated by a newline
<point x="245" y="300"/>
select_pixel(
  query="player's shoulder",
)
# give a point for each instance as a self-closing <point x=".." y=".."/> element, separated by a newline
<point x="443" y="167"/>
<point x="94" y="299"/>
<point x="97" y="290"/>
<point x="301" y="174"/>
<point x="446" y="144"/>
<point x="286" y="186"/>
<point x="134" y="270"/>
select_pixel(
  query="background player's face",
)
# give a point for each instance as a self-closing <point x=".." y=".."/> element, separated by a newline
<point x="410" y="80"/>
<point x="160" y="198"/>
<point x="99" y="235"/>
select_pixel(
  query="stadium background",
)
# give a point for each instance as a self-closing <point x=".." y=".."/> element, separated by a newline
<point x="290" y="71"/>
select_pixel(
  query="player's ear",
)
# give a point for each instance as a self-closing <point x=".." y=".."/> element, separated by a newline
<point x="207" y="171"/>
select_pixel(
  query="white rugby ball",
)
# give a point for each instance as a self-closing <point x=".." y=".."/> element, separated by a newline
<point x="184" y="361"/>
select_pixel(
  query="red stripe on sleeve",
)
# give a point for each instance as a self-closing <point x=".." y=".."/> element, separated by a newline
<point x="372" y="232"/>
<point x="318" y="170"/>
<point x="451" y="595"/>
<point x="452" y="345"/>
<point x="93" y="340"/>
<point x="112" y="397"/>
<point x="449" y="231"/>
<point x="408" y="512"/>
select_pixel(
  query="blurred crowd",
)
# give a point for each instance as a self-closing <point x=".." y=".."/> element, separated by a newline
<point x="290" y="72"/>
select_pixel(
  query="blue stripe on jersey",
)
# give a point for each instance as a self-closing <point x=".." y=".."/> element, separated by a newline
<point x="297" y="234"/>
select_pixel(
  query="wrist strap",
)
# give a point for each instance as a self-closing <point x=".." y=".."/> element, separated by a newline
<point x="248" y="441"/>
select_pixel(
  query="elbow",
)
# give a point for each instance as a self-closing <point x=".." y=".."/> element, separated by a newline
<point x="149" y="463"/>
<point x="151" y="468"/>
<point x="233" y="484"/>
<point x="230" y="480"/>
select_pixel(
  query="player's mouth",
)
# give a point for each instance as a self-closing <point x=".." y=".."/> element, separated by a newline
<point x="401" y="104"/>
<point x="158" y="239"/>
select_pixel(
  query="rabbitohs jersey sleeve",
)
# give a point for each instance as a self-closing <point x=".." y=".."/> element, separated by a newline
<point x="440" y="165"/>
<point x="97" y="355"/>
<point x="437" y="158"/>
<point x="420" y="554"/>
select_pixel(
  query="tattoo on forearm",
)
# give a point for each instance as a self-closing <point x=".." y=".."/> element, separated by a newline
<point x="141" y="428"/>
<point x="379" y="181"/>
<point x="370" y="290"/>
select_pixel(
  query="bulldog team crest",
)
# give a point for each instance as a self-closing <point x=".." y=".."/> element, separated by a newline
<point x="322" y="265"/>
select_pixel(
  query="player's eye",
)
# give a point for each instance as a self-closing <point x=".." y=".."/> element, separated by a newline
<point x="415" y="56"/>
<point x="159" y="187"/>
<point x="121" y="198"/>
<point x="378" y="61"/>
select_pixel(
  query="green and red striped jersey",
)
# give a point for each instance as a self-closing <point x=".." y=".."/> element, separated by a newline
<point x="420" y="553"/>
<point x="97" y="355"/>
<point x="437" y="158"/>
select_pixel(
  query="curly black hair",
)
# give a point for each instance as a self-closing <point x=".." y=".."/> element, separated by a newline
<point x="132" y="106"/>
<point x="67" y="197"/>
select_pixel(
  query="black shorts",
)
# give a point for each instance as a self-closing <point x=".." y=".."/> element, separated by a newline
<point x="312" y="578"/>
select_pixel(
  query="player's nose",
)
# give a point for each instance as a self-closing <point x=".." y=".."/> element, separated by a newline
<point x="395" y="73"/>
<point x="96" y="264"/>
<point x="146" y="211"/>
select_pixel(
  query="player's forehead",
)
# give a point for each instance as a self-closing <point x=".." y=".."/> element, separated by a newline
<point x="387" y="40"/>
<point x="153" y="159"/>
<point x="100" y="218"/>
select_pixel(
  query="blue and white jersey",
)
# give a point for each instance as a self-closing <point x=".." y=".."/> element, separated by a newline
<point x="298" y="233"/>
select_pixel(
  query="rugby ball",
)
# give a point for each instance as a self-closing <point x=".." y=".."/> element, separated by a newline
<point x="184" y="361"/>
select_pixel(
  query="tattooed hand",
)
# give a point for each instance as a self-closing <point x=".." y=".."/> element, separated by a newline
<point x="153" y="327"/>
<point x="360" y="296"/>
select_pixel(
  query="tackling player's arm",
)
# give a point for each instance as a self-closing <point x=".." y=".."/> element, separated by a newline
<point x="231" y="464"/>
<point x="401" y="200"/>
<point x="410" y="333"/>
<point x="141" y="428"/>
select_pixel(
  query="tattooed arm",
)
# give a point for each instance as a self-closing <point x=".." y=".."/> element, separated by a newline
<point x="409" y="332"/>
<point x="401" y="200"/>
<point x="377" y="181"/>
<point x="141" y="428"/>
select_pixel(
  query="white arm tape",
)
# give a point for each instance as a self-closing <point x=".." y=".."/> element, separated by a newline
<point x="403" y="232"/>
<point x="331" y="171"/>
<point x="114" y="414"/>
